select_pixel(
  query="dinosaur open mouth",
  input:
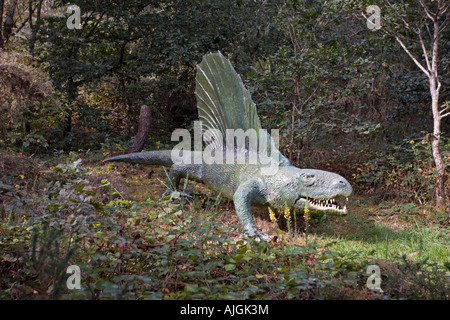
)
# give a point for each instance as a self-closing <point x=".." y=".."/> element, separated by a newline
<point x="328" y="204"/>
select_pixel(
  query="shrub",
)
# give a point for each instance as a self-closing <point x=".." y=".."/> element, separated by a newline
<point x="404" y="173"/>
<point x="27" y="106"/>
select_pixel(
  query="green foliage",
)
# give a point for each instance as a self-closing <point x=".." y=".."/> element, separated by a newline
<point x="345" y="98"/>
<point x="314" y="87"/>
<point x="415" y="280"/>
<point x="404" y="173"/>
<point x="164" y="250"/>
<point x="140" y="52"/>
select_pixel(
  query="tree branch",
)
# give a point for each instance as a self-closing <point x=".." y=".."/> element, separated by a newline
<point x="444" y="9"/>
<point x="25" y="21"/>
<point x="444" y="24"/>
<point x="428" y="30"/>
<point x="419" y="33"/>
<point x="427" y="11"/>
<point x="407" y="51"/>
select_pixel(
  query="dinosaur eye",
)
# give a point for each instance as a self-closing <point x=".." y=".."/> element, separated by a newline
<point x="308" y="178"/>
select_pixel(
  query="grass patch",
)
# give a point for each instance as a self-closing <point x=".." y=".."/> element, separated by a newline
<point x="384" y="239"/>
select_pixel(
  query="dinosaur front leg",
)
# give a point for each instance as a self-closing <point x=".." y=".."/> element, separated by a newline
<point x="242" y="199"/>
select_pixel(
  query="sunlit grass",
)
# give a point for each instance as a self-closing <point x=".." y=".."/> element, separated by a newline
<point x="384" y="239"/>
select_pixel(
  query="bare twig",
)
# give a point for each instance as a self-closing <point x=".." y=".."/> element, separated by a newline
<point x="419" y="33"/>
<point x="427" y="10"/>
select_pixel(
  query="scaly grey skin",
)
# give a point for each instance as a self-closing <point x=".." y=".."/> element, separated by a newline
<point x="224" y="103"/>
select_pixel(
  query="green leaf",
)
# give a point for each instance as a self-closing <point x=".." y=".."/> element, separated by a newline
<point x="175" y="195"/>
<point x="229" y="267"/>
<point x="98" y="206"/>
<point x="447" y="265"/>
<point x="191" y="287"/>
<point x="53" y="206"/>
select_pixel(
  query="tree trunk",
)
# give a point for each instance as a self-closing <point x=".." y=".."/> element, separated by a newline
<point x="143" y="130"/>
<point x="441" y="197"/>
<point x="2" y="5"/>
<point x="34" y="26"/>
<point x="9" y="21"/>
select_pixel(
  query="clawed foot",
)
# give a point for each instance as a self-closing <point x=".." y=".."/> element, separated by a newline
<point x="176" y="194"/>
<point x="261" y="236"/>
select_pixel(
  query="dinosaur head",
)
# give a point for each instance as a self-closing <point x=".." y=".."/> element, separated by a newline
<point x="321" y="191"/>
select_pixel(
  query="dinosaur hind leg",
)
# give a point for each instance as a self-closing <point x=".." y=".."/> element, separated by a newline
<point x="175" y="176"/>
<point x="176" y="173"/>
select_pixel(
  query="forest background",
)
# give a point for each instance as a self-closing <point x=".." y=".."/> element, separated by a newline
<point x="367" y="103"/>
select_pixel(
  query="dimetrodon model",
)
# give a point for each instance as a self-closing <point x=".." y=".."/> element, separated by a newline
<point x="224" y="103"/>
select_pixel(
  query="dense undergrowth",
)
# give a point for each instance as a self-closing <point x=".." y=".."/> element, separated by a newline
<point x="131" y="244"/>
<point x="345" y="98"/>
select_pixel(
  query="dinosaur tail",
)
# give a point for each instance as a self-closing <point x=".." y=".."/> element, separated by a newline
<point x="149" y="157"/>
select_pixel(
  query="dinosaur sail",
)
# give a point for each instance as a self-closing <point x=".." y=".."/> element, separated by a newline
<point x="224" y="103"/>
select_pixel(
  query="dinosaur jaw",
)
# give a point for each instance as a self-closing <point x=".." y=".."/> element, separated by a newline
<point x="326" y="206"/>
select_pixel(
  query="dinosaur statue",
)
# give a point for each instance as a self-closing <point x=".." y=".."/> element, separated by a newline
<point x="224" y="103"/>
